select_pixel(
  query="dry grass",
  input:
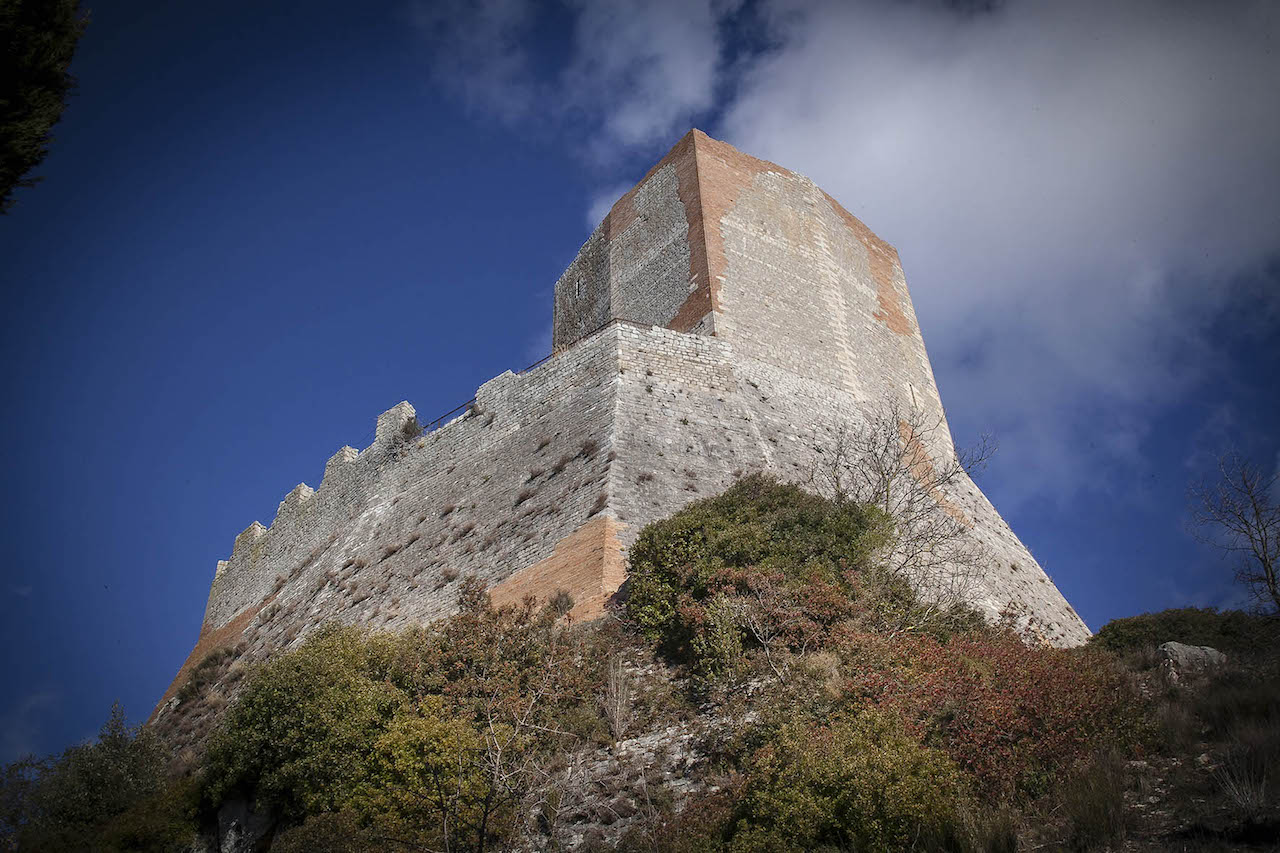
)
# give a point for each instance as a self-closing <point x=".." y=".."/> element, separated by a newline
<point x="1092" y="801"/>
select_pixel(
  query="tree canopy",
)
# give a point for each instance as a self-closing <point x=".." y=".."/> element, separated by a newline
<point x="37" y="41"/>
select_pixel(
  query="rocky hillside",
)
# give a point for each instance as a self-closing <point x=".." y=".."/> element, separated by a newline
<point x="767" y="685"/>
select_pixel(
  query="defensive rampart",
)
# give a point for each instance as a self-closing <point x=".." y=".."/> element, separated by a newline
<point x="726" y="317"/>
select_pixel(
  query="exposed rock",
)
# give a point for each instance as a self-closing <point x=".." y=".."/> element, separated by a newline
<point x="1178" y="660"/>
<point x="241" y="829"/>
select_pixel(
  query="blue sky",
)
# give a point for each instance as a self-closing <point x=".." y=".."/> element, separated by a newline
<point x="259" y="229"/>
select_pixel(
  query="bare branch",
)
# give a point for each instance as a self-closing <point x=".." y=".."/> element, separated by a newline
<point x="1240" y="515"/>
<point x="900" y="461"/>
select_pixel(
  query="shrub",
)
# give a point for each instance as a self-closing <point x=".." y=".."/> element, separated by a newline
<point x="1234" y="699"/>
<point x="763" y="564"/>
<point x="205" y="673"/>
<point x="1230" y="631"/>
<point x="410" y="429"/>
<point x="700" y="827"/>
<point x="331" y="832"/>
<point x="857" y="782"/>
<point x="415" y="731"/>
<point x="299" y="736"/>
<point x="1015" y="717"/>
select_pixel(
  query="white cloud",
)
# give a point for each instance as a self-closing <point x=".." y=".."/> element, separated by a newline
<point x="1075" y="188"/>
<point x="1071" y="186"/>
<point x="479" y="49"/>
<point x="647" y="66"/>
<point x="602" y="202"/>
<point x="636" y="72"/>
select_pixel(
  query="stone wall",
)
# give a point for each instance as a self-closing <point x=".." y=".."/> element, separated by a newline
<point x="393" y="528"/>
<point x="727" y="317"/>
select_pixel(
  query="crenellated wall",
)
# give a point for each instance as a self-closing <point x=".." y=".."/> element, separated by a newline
<point x="727" y="317"/>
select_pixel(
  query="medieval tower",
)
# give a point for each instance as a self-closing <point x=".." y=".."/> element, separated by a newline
<point x="727" y="316"/>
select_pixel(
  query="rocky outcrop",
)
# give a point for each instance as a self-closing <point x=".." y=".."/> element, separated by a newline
<point x="1180" y="661"/>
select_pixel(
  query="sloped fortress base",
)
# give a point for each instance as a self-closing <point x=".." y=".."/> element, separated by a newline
<point x="726" y="317"/>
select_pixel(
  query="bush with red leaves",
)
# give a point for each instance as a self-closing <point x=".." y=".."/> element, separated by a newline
<point x="1013" y="716"/>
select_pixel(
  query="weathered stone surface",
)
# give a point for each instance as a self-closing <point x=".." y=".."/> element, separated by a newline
<point x="727" y="317"/>
<point x="1180" y="661"/>
<point x="240" y="828"/>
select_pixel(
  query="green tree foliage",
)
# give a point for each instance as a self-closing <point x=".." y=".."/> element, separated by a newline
<point x="1231" y="631"/>
<point x="37" y="40"/>
<point x="302" y="734"/>
<point x="428" y="737"/>
<point x="107" y="795"/>
<point x="855" y="782"/>
<point x="764" y="565"/>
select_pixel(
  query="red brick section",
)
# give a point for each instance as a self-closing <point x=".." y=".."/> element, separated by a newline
<point x="711" y="175"/>
<point x="210" y="639"/>
<point x="588" y="564"/>
<point x="623" y="212"/>
<point x="723" y="173"/>
<point x="884" y="262"/>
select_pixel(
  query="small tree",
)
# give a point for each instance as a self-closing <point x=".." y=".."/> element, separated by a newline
<point x="39" y="38"/>
<point x="92" y="796"/>
<point x="1240" y="514"/>
<point x="892" y="461"/>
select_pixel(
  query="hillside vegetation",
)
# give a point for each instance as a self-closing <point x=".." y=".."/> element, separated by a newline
<point x="766" y="686"/>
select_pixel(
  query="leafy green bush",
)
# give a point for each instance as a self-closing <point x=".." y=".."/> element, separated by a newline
<point x="857" y="782"/>
<point x="764" y="565"/>
<point x="428" y="735"/>
<point x="301" y="735"/>
<point x="1230" y="631"/>
<point x="331" y="832"/>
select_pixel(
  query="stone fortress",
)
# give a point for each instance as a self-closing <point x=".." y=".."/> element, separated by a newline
<point x="726" y="317"/>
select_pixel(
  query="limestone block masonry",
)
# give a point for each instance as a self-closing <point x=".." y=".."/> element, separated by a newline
<point x="726" y="317"/>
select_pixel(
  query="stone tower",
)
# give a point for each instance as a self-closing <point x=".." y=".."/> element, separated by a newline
<point x="715" y="242"/>
<point x="727" y="316"/>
